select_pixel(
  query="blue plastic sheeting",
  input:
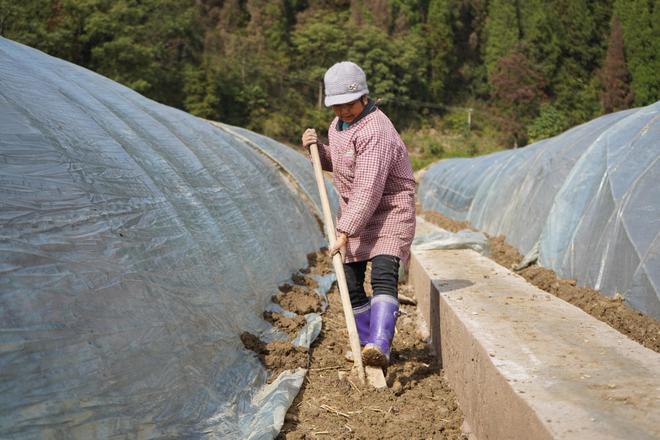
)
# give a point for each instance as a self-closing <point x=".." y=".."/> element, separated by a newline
<point x="589" y="197"/>
<point x="138" y="242"/>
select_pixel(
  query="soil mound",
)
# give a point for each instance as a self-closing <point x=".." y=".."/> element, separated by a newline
<point x="613" y="311"/>
<point x="302" y="280"/>
<point x="445" y="222"/>
<point x="298" y="299"/>
<point x="289" y="325"/>
<point x="318" y="263"/>
<point x="503" y="253"/>
<point x="276" y="356"/>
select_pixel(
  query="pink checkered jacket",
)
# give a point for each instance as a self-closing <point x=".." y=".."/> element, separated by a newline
<point x="373" y="176"/>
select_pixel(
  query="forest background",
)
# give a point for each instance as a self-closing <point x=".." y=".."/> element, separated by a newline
<point x="457" y="77"/>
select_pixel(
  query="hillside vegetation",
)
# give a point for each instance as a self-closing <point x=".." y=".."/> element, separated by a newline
<point x="458" y="77"/>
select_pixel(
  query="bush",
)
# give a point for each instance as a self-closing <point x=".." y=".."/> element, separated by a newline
<point x="456" y="121"/>
<point x="550" y="122"/>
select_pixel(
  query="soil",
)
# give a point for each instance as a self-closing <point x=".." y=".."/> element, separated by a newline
<point x="445" y="222"/>
<point x="613" y="311"/>
<point x="289" y="325"/>
<point x="332" y="404"/>
<point x="298" y="299"/>
<point x="276" y="356"/>
<point x="503" y="253"/>
<point x="302" y="280"/>
<point x="318" y="263"/>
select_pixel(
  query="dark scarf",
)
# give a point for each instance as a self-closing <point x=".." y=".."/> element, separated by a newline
<point x="369" y="108"/>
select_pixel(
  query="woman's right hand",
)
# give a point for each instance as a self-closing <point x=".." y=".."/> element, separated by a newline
<point x="309" y="138"/>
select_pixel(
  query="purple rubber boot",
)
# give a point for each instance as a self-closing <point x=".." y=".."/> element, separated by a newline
<point x="362" y="322"/>
<point x="384" y="311"/>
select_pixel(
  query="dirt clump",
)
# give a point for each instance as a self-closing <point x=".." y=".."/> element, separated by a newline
<point x="289" y="325"/>
<point x="276" y="356"/>
<point x="298" y="299"/>
<point x="613" y="311"/>
<point x="302" y="280"/>
<point x="503" y="253"/>
<point x="318" y="263"/>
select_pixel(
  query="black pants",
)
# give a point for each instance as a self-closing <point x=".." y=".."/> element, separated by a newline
<point x="384" y="278"/>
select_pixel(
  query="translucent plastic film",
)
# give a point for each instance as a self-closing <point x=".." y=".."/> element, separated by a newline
<point x="137" y="243"/>
<point x="589" y="197"/>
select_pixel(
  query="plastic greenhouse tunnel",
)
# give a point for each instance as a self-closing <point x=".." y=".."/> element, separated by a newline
<point x="586" y="201"/>
<point x="137" y="245"/>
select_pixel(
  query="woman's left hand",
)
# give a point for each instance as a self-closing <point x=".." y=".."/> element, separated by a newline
<point x="340" y="245"/>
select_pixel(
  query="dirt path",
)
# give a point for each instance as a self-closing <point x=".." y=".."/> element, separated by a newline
<point x="333" y="405"/>
<point x="613" y="311"/>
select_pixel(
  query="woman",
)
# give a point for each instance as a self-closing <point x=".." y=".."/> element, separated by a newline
<point x="376" y="221"/>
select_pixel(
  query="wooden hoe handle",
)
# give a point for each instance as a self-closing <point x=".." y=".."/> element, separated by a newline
<point x="338" y="265"/>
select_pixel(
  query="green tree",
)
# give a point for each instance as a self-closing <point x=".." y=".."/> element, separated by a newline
<point x="320" y="41"/>
<point x="201" y="89"/>
<point x="57" y="28"/>
<point x="503" y="31"/>
<point x="469" y="77"/>
<point x="371" y="12"/>
<point x="441" y="45"/>
<point x="374" y="51"/>
<point x="572" y="87"/>
<point x="250" y="62"/>
<point x="406" y="14"/>
<point x="541" y="35"/>
<point x="145" y="45"/>
<point x="142" y="44"/>
<point x="410" y="66"/>
<point x="641" y="36"/>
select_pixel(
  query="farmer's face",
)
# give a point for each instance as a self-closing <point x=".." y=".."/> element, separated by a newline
<point x="349" y="111"/>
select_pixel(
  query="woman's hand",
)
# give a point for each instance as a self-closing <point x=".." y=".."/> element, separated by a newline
<point x="339" y="246"/>
<point x="309" y="138"/>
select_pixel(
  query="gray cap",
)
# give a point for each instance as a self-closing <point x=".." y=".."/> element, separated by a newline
<point x="344" y="82"/>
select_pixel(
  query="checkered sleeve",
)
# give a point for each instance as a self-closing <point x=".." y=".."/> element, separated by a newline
<point x="373" y="159"/>
<point x="324" y="156"/>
